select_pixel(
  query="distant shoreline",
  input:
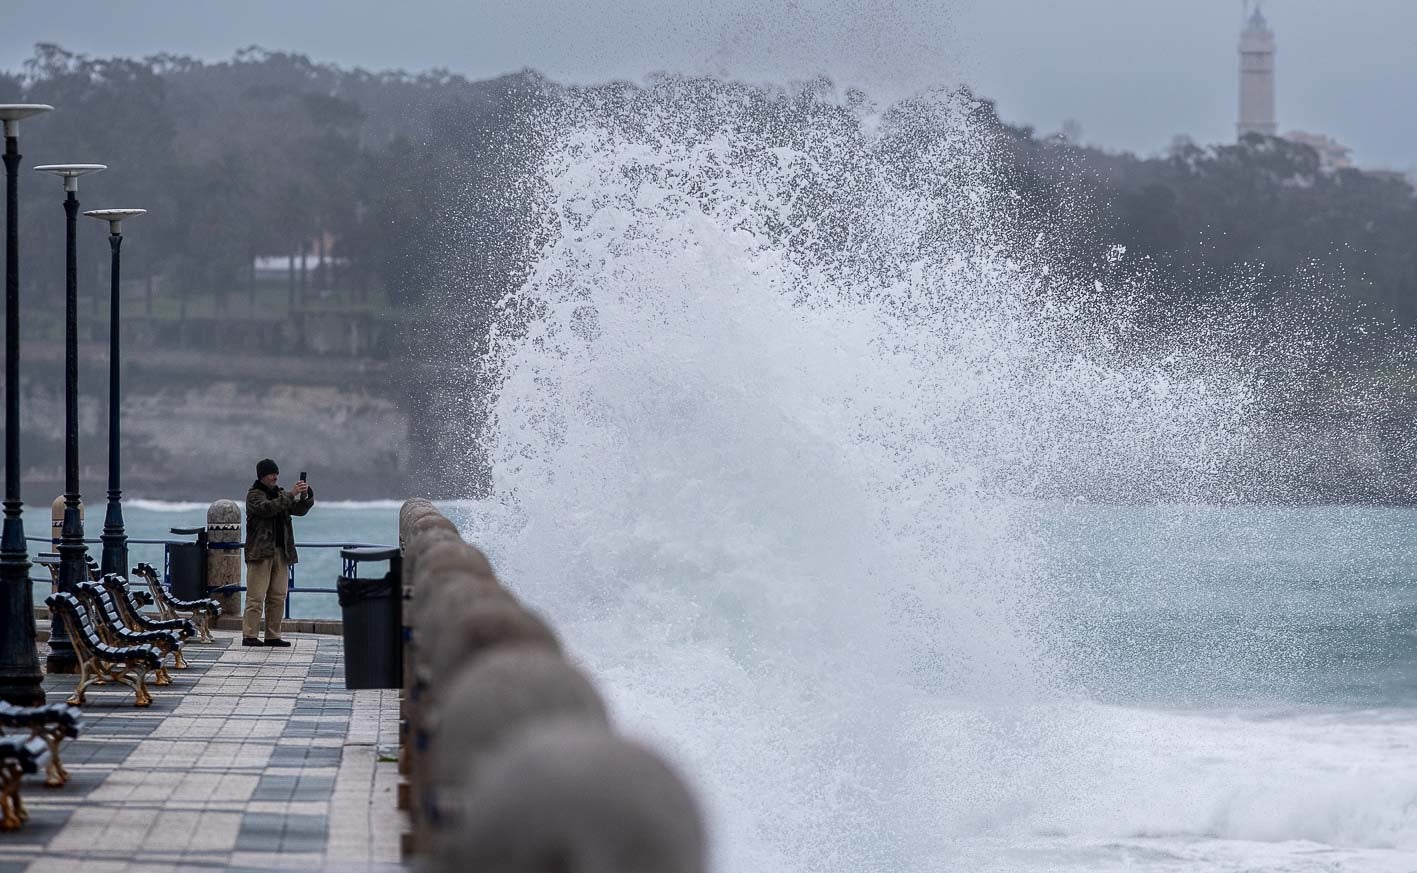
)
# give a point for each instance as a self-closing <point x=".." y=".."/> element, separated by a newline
<point x="389" y="504"/>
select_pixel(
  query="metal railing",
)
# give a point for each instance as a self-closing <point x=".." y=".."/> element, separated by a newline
<point x="350" y="567"/>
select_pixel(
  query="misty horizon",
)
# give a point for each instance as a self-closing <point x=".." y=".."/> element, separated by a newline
<point x="1126" y="78"/>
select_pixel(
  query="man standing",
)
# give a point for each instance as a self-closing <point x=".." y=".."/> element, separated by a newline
<point x="270" y="550"/>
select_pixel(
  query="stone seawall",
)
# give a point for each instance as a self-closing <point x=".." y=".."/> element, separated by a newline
<point x="193" y="424"/>
<point x="512" y="761"/>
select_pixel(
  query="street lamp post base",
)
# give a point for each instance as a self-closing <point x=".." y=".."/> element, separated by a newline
<point x="21" y="682"/>
<point x="20" y="677"/>
<point x="72" y="571"/>
<point x="62" y="663"/>
<point x="114" y="558"/>
<point x="23" y="690"/>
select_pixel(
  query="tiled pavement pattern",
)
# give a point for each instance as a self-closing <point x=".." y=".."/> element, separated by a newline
<point x="253" y="759"/>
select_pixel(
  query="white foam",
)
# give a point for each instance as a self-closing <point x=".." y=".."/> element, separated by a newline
<point x="1255" y="791"/>
<point x="164" y="505"/>
<point x="768" y="406"/>
<point x="453" y="506"/>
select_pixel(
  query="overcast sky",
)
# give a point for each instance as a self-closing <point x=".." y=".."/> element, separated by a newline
<point x="1133" y="73"/>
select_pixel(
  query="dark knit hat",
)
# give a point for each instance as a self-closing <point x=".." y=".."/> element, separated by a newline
<point x="266" y="467"/>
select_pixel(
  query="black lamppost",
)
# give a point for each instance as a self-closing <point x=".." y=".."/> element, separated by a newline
<point x="72" y="570"/>
<point x="20" y="678"/>
<point x="115" y="541"/>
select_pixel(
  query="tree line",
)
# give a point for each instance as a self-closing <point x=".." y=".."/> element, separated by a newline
<point x="1261" y="219"/>
<point x="421" y="186"/>
<point x="268" y="154"/>
<point x="406" y="176"/>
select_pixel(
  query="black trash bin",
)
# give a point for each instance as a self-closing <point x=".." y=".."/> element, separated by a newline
<point x="373" y="619"/>
<point x="187" y="564"/>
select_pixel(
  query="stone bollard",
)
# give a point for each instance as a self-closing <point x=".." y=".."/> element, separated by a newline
<point x="446" y="587"/>
<point x="444" y="560"/>
<point x="443" y="597"/>
<point x="56" y="519"/>
<point x="593" y="801"/>
<point x="424" y="544"/>
<point x="510" y="759"/>
<point x="429" y="521"/>
<point x="485" y="703"/>
<point x="415" y="519"/>
<point x="422" y="533"/>
<point x="441" y="546"/>
<point x="412" y="547"/>
<point x="410" y="512"/>
<point x="477" y="629"/>
<point x="462" y="638"/>
<point x="224" y="552"/>
<point x="448" y="574"/>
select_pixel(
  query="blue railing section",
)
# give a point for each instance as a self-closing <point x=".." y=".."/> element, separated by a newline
<point x="351" y="567"/>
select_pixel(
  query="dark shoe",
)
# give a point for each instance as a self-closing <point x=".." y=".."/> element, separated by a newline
<point x="250" y="641"/>
<point x="280" y="643"/>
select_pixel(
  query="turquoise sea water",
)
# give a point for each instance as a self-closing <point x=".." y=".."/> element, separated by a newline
<point x="764" y="451"/>
<point x="1238" y="606"/>
<point x="1314" y="606"/>
<point x="767" y="427"/>
<point x="1232" y="687"/>
<point x="1206" y="688"/>
<point x="374" y="522"/>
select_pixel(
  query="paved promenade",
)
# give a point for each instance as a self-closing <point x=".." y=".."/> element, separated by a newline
<point x="253" y="759"/>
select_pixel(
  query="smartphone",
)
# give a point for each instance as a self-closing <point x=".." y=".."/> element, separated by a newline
<point x="302" y="475"/>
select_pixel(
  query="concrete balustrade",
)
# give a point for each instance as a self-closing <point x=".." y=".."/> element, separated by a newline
<point x="451" y="579"/>
<point x="429" y="556"/>
<point x="439" y="552"/>
<point x="566" y="796"/>
<point x="509" y="752"/>
<point x="486" y="703"/>
<point x="485" y="627"/>
<point x="444" y="592"/>
<point x="424" y="548"/>
<point x="408" y="513"/>
<point x="427" y="521"/>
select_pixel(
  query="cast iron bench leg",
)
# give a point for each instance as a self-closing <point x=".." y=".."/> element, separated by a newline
<point x="12" y="811"/>
<point x="55" y="776"/>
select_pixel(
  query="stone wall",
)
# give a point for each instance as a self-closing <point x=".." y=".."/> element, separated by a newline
<point x="512" y="761"/>
<point x="194" y="424"/>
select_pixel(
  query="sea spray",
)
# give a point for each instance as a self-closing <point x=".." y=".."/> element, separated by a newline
<point x="771" y="418"/>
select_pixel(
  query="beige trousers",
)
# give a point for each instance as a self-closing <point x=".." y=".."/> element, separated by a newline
<point x="267" y="584"/>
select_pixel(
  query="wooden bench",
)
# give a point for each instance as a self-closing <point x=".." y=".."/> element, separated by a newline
<point x="18" y="756"/>
<point x="201" y="612"/>
<point x="130" y="605"/>
<point x="100" y="661"/>
<point x="112" y="629"/>
<point x="51" y="723"/>
<point x="50" y="562"/>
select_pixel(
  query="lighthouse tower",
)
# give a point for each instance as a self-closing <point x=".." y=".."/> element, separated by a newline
<point x="1257" y="52"/>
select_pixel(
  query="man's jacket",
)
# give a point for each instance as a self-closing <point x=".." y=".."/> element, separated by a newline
<point x="268" y="528"/>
